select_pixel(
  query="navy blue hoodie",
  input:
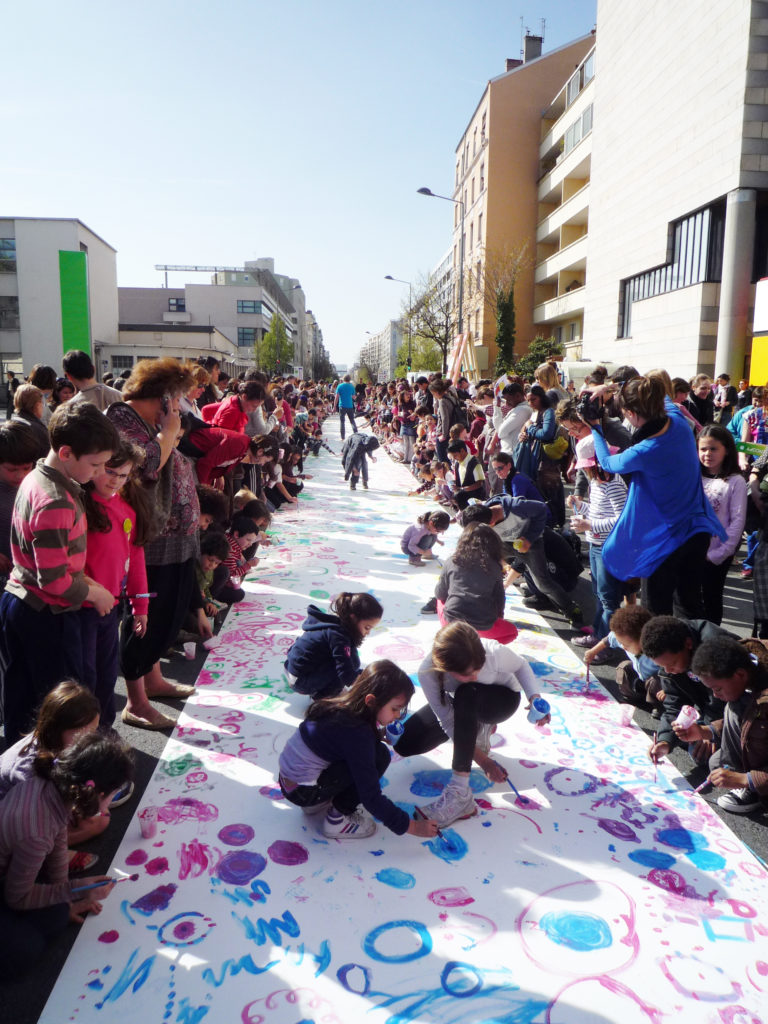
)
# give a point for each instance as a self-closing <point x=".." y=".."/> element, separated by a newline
<point x="324" y="658"/>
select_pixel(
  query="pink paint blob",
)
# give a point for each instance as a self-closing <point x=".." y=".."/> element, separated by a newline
<point x="111" y="936"/>
<point x="284" y="852"/>
<point x="156" y="866"/>
<point x="136" y="857"/>
<point x="454" y="896"/>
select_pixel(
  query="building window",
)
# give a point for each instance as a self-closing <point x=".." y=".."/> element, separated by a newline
<point x="7" y="255"/>
<point x="479" y="229"/>
<point x="482" y="130"/>
<point x="557" y="334"/>
<point x="477" y="323"/>
<point x="482" y="177"/>
<point x="458" y="173"/>
<point x="248" y="306"/>
<point x="589" y="68"/>
<point x="474" y="142"/>
<point x="479" y="271"/>
<point x="471" y="235"/>
<point x="573" y="88"/>
<point x="246" y="336"/>
<point x="695" y="255"/>
<point x="9" y="312"/>
<point x="122" y="362"/>
<point x="177" y="305"/>
<point x="573" y="332"/>
<point x="473" y="188"/>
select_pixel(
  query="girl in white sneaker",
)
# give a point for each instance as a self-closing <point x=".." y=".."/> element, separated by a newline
<point x="335" y="759"/>
<point x="471" y="684"/>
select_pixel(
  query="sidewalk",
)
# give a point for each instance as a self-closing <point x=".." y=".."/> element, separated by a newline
<point x="562" y="906"/>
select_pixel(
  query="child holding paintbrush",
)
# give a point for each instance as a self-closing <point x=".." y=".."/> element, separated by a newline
<point x="471" y="685"/>
<point x="33" y="845"/>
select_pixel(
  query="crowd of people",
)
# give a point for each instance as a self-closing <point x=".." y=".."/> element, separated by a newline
<point x="131" y="511"/>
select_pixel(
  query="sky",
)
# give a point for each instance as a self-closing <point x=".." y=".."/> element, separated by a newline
<point x="214" y="133"/>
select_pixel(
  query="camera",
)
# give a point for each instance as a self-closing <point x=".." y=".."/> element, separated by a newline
<point x="589" y="408"/>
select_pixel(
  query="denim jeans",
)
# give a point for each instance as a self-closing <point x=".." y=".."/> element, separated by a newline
<point x="607" y="589"/>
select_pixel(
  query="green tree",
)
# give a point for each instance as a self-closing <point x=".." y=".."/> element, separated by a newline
<point x="491" y="286"/>
<point x="276" y="347"/>
<point x="425" y="356"/>
<point x="539" y="351"/>
<point x="432" y="322"/>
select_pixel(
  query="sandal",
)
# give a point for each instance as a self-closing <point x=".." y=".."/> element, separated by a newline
<point x="161" y="722"/>
<point x="81" y="861"/>
<point x="178" y="691"/>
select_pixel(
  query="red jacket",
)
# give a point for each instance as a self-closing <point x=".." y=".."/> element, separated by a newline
<point x="230" y="415"/>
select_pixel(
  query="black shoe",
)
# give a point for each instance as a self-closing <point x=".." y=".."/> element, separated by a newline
<point x="575" y="616"/>
<point x="430" y="608"/>
<point x="656" y="713"/>
<point x="352" y="485"/>
<point x="365" y="486"/>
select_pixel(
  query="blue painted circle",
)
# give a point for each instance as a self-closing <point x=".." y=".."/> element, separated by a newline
<point x="369" y="942"/>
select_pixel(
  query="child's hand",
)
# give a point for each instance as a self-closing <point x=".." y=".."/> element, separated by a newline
<point x="693" y="734"/>
<point x="579" y="524"/>
<point x="492" y="769"/>
<point x="210" y="609"/>
<point x="140" y="625"/>
<point x="252" y="562"/>
<point x="203" y="625"/>
<point x="438" y="541"/>
<point x="571" y="500"/>
<point x="591" y="653"/>
<point x="424" y="827"/>
<point x="101" y="599"/>
<point x="727" y="778"/>
<point x="372" y="458"/>
<point x="657" y="751"/>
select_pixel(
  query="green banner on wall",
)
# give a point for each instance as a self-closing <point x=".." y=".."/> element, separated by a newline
<point x="75" y="316"/>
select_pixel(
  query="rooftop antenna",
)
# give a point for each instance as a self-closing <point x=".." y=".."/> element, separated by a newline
<point x="543" y="26"/>
<point x="522" y="36"/>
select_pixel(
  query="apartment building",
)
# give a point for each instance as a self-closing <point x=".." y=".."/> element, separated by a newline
<point x="496" y="186"/>
<point x="58" y="291"/>
<point x="379" y="353"/>
<point x="565" y="161"/>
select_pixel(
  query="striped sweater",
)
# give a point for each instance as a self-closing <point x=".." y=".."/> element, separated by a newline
<point x="33" y="837"/>
<point x="606" y="500"/>
<point x="48" y="538"/>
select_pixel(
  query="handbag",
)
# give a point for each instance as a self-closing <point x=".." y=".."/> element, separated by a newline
<point x="556" y="448"/>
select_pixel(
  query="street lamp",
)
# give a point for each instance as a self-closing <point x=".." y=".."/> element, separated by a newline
<point x="388" y="277"/>
<point x="459" y="202"/>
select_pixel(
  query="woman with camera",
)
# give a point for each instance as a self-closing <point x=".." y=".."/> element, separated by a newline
<point x="539" y="450"/>
<point x="664" y="531"/>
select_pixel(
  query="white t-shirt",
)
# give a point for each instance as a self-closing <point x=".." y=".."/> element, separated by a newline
<point x="502" y="667"/>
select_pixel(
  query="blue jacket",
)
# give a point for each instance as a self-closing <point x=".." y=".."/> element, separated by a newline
<point x="324" y="658"/>
<point x="522" y="518"/>
<point x="666" y="504"/>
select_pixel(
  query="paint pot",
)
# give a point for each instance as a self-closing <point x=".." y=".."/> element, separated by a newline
<point x="539" y="709"/>
<point x="148" y="822"/>
<point x="688" y="716"/>
<point x="394" y="731"/>
<point x="189" y="650"/>
<point x="627" y="713"/>
<point x="211" y="644"/>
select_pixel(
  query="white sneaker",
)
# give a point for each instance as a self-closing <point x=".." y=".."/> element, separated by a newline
<point x="484" y="732"/>
<point x="453" y="804"/>
<point x="739" y="801"/>
<point x="357" y="825"/>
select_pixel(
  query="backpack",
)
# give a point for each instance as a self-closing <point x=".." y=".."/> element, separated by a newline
<point x="458" y="413"/>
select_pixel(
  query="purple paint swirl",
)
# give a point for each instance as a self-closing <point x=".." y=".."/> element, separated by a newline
<point x="284" y="852"/>
<point x="158" y="899"/>
<point x="236" y="835"/>
<point x="240" y="867"/>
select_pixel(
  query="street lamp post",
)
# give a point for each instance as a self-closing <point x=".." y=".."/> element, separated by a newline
<point x="388" y="277"/>
<point x="459" y="202"/>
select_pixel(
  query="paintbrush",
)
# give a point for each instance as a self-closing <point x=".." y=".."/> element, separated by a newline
<point x="655" y="761"/>
<point x="419" y="813"/>
<point x="587" y="681"/>
<point x="106" y="881"/>
<point x="134" y="596"/>
<point x="703" y="786"/>
<point x="522" y="799"/>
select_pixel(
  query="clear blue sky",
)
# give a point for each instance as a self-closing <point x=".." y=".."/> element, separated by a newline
<point x="213" y="133"/>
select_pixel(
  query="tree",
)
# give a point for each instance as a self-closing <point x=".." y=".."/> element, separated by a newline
<point x="495" y="290"/>
<point x="539" y="351"/>
<point x="425" y="356"/>
<point x="432" y="321"/>
<point x="276" y="347"/>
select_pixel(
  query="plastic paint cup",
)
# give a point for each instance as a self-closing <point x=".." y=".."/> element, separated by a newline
<point x="539" y="710"/>
<point x="627" y="712"/>
<point x="688" y="716"/>
<point x="211" y="644"/>
<point x="394" y="731"/>
<point x="148" y="822"/>
<point x="189" y="650"/>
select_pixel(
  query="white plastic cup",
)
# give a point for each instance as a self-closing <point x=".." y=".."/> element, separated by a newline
<point x="688" y="716"/>
<point x="190" y="648"/>
<point x="211" y="644"/>
<point x="148" y="822"/>
<point x="539" y="709"/>
<point x="395" y="731"/>
<point x="627" y="713"/>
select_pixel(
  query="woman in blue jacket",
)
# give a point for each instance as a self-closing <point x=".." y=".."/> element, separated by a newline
<point x="324" y="659"/>
<point x="664" y="531"/>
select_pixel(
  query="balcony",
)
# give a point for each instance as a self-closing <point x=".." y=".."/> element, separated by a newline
<point x="572" y="257"/>
<point x="573" y="211"/>
<point x="566" y="119"/>
<point x="560" y="307"/>
<point x="577" y="164"/>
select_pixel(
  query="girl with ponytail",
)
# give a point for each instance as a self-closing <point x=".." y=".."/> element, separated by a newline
<point x="81" y="780"/>
<point x="324" y="659"/>
<point x="665" y="528"/>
